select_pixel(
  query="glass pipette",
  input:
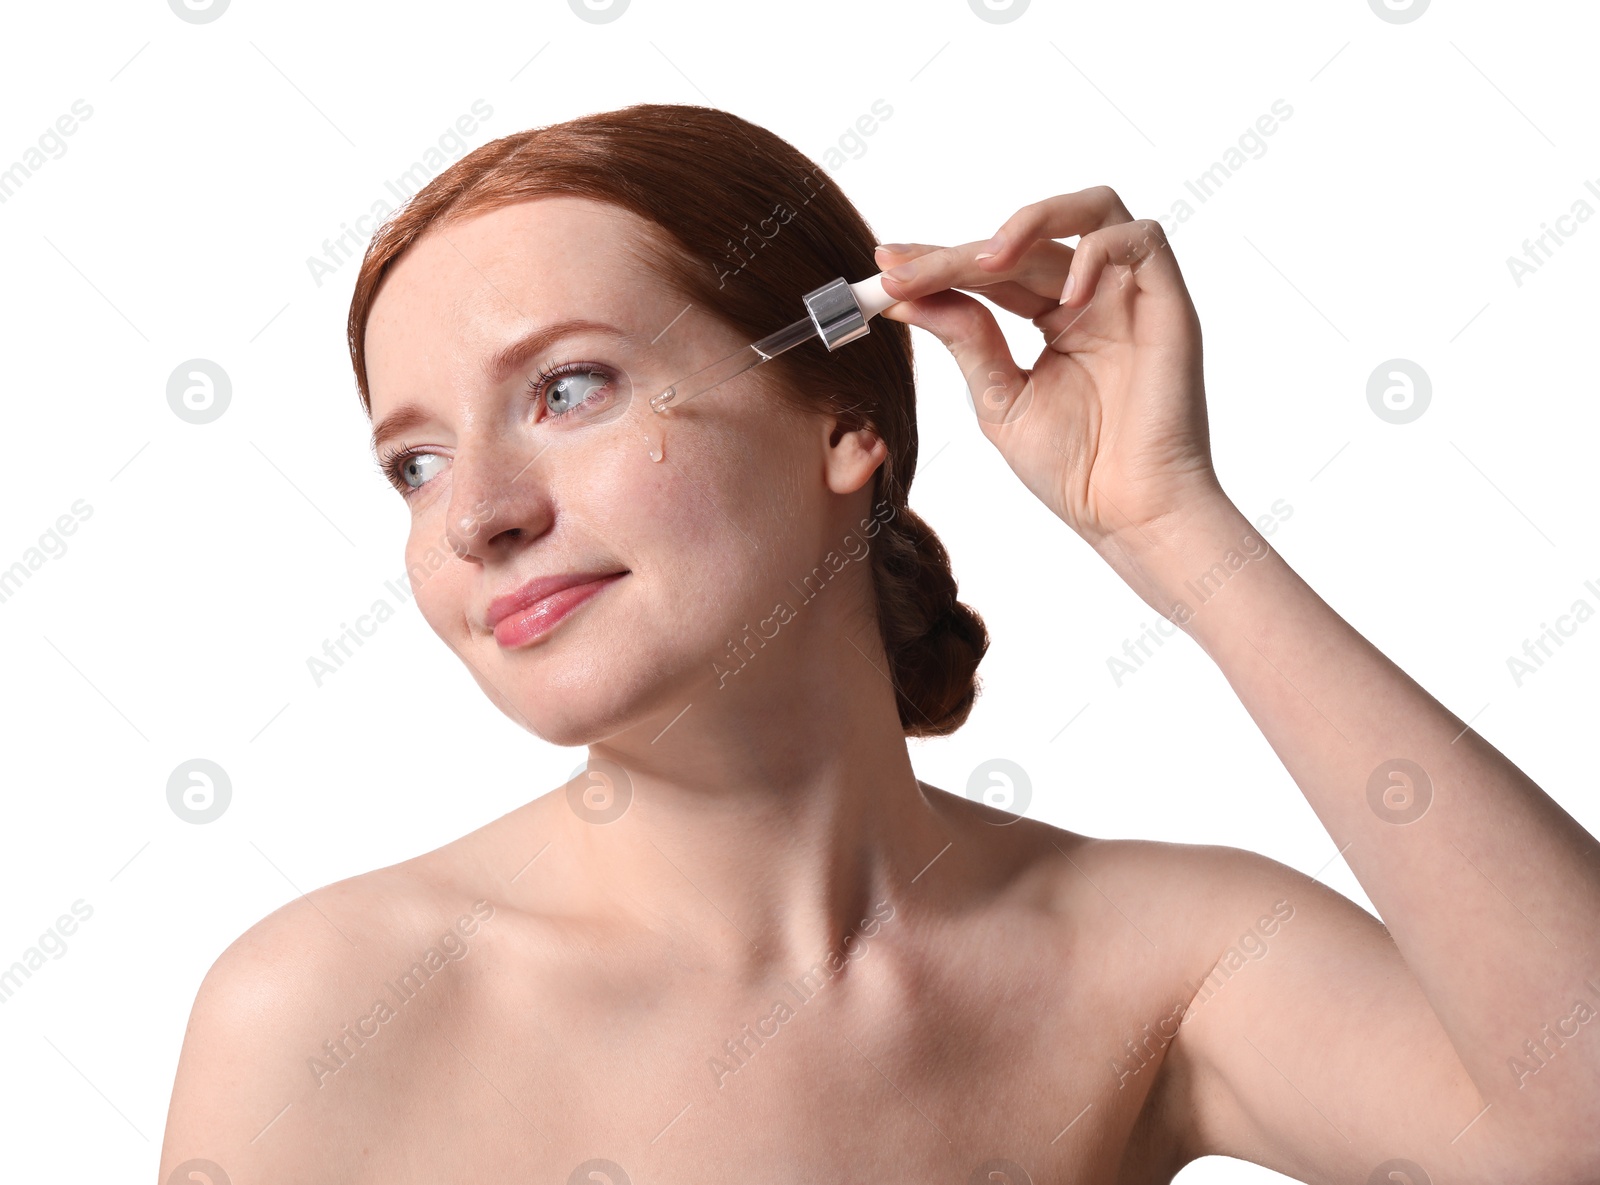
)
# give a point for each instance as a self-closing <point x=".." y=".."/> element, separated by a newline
<point x="837" y="313"/>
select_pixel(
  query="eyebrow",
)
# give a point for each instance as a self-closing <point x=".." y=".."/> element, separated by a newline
<point x="497" y="366"/>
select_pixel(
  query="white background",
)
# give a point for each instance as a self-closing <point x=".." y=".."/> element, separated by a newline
<point x="177" y="224"/>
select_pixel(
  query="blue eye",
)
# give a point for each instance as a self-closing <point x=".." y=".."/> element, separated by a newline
<point x="568" y="381"/>
<point x="402" y="462"/>
<point x="574" y="384"/>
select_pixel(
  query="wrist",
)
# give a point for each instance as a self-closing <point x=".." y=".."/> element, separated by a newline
<point x="1174" y="560"/>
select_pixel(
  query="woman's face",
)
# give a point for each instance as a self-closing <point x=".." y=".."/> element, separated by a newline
<point x="511" y="477"/>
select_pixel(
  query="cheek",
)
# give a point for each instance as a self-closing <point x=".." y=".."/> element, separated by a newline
<point x="698" y="528"/>
<point x="667" y="520"/>
<point x="614" y="496"/>
<point x="440" y="583"/>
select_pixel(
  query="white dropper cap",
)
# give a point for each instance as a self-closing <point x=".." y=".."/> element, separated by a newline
<point x="871" y="297"/>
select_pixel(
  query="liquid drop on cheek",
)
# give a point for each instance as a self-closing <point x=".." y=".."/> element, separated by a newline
<point x="656" y="441"/>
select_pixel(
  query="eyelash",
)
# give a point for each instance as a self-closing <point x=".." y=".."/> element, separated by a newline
<point x="393" y="458"/>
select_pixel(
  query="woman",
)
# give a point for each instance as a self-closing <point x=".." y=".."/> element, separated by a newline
<point x="745" y="942"/>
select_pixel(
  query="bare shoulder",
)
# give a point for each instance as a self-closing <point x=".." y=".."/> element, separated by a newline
<point x="298" y="998"/>
<point x="1185" y="895"/>
<point x="1231" y="903"/>
<point x="1201" y="886"/>
<point x="1167" y="953"/>
<point x="1275" y="964"/>
<point x="1214" y="907"/>
<point x="1246" y="939"/>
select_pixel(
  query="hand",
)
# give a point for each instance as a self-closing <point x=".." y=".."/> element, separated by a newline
<point x="1108" y="428"/>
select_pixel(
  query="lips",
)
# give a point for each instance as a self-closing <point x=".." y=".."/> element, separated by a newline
<point x="533" y="608"/>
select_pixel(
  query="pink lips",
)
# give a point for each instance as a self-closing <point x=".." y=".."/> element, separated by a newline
<point x="522" y="616"/>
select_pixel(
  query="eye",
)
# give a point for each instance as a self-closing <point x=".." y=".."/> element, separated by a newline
<point x="571" y="384"/>
<point x="402" y="463"/>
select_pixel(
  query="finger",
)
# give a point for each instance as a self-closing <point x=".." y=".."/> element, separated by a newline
<point x="1059" y="217"/>
<point x="889" y="254"/>
<point x="1105" y="227"/>
<point x="1031" y="288"/>
<point x="1141" y="246"/>
<point x="1000" y="390"/>
<point x="1015" y="298"/>
<point x="1011" y="295"/>
<point x="1033" y="285"/>
<point x="1018" y="237"/>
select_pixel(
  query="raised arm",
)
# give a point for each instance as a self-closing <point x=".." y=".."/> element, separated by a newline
<point x="1464" y="1031"/>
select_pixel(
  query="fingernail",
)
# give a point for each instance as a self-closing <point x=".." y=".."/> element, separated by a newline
<point x="984" y="255"/>
<point x="904" y="272"/>
<point x="894" y="248"/>
<point x="1066" y="293"/>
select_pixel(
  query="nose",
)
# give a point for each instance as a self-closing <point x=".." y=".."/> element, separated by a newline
<point x="499" y="499"/>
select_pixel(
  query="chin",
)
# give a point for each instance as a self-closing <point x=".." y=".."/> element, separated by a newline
<point x="584" y="685"/>
<point x="584" y="711"/>
<point x="571" y="731"/>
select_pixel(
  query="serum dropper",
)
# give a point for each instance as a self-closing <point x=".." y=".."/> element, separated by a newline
<point x="837" y="313"/>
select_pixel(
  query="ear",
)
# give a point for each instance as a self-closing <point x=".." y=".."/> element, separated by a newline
<point x="851" y="455"/>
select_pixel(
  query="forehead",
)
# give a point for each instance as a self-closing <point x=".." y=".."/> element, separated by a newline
<point x="464" y="289"/>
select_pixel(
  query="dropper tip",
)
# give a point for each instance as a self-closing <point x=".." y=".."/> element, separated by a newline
<point x="658" y="403"/>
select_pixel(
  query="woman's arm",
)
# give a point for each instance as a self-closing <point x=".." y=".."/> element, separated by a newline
<point x="1490" y="892"/>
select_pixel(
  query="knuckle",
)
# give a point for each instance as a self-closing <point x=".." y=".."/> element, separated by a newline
<point x="1020" y="225"/>
<point x="1152" y="233"/>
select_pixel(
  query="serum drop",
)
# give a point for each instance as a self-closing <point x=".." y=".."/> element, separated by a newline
<point x="657" y="445"/>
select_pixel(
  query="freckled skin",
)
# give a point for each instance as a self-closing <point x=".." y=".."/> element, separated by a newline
<point x="582" y="495"/>
<point x="766" y="819"/>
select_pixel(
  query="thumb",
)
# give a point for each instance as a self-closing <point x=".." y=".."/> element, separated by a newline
<point x="999" y="390"/>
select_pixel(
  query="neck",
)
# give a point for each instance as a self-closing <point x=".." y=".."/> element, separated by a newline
<point x="765" y="819"/>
